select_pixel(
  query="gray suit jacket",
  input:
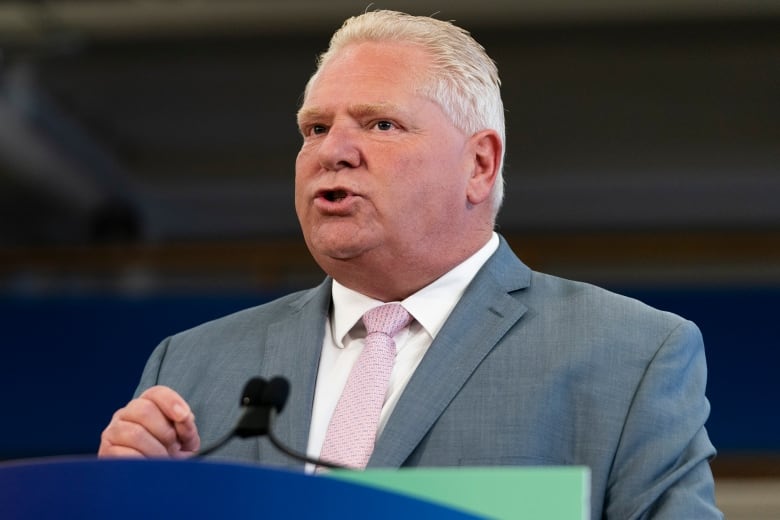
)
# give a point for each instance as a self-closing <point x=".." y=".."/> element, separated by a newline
<point x="529" y="369"/>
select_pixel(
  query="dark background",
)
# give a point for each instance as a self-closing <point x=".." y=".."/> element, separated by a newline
<point x="146" y="179"/>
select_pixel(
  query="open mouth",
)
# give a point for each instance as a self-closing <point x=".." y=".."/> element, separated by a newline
<point x="335" y="195"/>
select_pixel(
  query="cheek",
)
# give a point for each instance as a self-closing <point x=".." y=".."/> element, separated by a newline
<point x="300" y="190"/>
<point x="300" y="163"/>
<point x="421" y="191"/>
<point x="439" y="176"/>
<point x="306" y="158"/>
<point x="302" y="169"/>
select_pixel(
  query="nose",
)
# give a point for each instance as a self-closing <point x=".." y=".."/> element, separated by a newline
<point x="339" y="148"/>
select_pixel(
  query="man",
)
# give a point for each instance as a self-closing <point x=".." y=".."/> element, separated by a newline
<point x="398" y="183"/>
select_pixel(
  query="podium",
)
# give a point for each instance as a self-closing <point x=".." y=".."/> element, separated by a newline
<point x="87" y="488"/>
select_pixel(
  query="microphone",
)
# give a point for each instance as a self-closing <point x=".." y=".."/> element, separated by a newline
<point x="263" y="400"/>
<point x="252" y="422"/>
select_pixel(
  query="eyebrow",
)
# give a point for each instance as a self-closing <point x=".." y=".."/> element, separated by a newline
<point x="359" y="110"/>
<point x="371" y="109"/>
<point x="309" y="114"/>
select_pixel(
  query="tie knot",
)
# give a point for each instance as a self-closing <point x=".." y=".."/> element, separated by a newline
<point x="387" y="319"/>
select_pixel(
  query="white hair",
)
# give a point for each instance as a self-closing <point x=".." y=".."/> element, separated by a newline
<point x="463" y="79"/>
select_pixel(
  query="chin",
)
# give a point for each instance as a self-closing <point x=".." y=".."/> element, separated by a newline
<point x="342" y="244"/>
<point x="330" y="251"/>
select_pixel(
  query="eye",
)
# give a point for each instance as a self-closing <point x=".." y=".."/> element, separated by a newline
<point x="384" y="125"/>
<point x="317" y="129"/>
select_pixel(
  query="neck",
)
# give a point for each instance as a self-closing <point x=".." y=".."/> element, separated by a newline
<point x="369" y="275"/>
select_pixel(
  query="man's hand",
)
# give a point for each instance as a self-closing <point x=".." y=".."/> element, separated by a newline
<point x="159" y="423"/>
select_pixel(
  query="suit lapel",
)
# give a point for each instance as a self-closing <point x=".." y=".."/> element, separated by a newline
<point x="293" y="351"/>
<point x="484" y="314"/>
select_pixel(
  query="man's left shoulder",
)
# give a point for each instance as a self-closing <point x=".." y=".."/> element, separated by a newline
<point x="603" y="309"/>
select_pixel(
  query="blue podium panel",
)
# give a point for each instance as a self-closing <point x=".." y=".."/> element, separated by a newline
<point x="135" y="489"/>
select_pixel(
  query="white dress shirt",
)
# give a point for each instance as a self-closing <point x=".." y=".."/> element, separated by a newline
<point x="345" y="333"/>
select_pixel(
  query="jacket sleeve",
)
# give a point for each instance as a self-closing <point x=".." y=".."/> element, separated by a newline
<point x="661" y="468"/>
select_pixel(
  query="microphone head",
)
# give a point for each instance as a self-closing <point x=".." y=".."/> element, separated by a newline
<point x="254" y="390"/>
<point x="276" y="392"/>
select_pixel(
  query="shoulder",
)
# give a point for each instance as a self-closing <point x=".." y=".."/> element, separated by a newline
<point x="227" y="346"/>
<point x="544" y="289"/>
<point x="589" y="314"/>
<point x="235" y="338"/>
<point x="251" y="319"/>
<point x="573" y="311"/>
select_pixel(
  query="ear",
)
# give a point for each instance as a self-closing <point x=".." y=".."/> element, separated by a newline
<point x="486" y="149"/>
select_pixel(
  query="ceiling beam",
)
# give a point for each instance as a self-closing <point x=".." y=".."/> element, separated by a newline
<point x="30" y="23"/>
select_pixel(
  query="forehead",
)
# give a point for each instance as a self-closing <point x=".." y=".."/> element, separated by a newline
<point x="381" y="68"/>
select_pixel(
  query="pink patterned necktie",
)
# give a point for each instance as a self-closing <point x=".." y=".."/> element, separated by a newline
<point x="352" y="431"/>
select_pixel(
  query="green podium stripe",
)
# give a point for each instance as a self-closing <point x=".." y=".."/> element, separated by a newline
<point x="538" y="493"/>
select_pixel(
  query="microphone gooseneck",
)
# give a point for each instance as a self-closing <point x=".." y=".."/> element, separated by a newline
<point x="294" y="454"/>
<point x="262" y="401"/>
<point x="251" y="399"/>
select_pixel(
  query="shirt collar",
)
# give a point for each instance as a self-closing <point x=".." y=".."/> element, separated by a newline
<point x="430" y="306"/>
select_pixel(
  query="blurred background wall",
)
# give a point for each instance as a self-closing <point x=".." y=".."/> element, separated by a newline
<point x="146" y="180"/>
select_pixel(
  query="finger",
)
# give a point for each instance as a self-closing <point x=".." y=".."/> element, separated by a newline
<point x="184" y="454"/>
<point x="170" y="403"/>
<point x="158" y="423"/>
<point x="109" y="450"/>
<point x="143" y="418"/>
<point x="127" y="438"/>
<point x="176" y="409"/>
<point x="187" y="434"/>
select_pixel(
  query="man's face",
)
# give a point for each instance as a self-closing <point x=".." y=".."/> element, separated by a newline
<point x="382" y="173"/>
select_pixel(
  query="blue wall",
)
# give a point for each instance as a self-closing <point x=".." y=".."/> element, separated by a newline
<point x="68" y="363"/>
<point x="740" y="328"/>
